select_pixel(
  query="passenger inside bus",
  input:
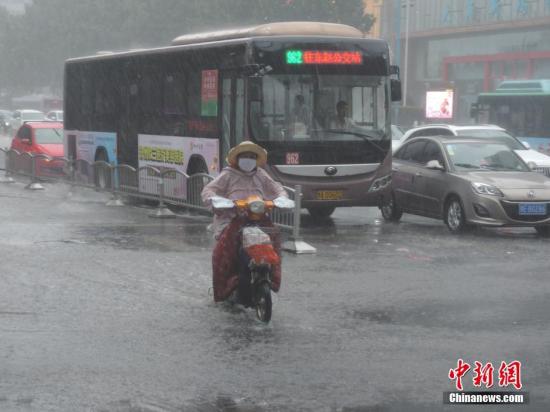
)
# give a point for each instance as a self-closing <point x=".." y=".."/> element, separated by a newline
<point x="300" y="117"/>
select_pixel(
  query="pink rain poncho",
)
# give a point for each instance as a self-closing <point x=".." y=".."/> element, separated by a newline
<point x="234" y="184"/>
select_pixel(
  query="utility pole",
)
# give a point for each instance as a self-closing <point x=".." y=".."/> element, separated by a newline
<point x="406" y="62"/>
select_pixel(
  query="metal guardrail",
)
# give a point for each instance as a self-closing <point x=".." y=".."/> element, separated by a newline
<point x="164" y="186"/>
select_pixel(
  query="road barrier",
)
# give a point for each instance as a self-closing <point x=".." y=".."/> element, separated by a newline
<point x="167" y="187"/>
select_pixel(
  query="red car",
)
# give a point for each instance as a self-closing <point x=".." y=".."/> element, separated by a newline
<point x="41" y="138"/>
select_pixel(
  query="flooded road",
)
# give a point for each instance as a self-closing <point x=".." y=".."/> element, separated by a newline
<point x="106" y="309"/>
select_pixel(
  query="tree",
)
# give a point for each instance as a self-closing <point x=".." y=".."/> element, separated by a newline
<point x="35" y="45"/>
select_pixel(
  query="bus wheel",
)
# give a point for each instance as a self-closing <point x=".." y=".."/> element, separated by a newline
<point x="321" y="212"/>
<point x="196" y="166"/>
<point x="102" y="173"/>
<point x="390" y="211"/>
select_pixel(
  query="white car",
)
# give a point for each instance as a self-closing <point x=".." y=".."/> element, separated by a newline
<point x="396" y="135"/>
<point x="537" y="161"/>
<point x="21" y="116"/>
<point x="55" y="115"/>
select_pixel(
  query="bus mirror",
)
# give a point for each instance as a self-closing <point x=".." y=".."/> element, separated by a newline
<point x="395" y="86"/>
<point x="394" y="71"/>
<point x="257" y="70"/>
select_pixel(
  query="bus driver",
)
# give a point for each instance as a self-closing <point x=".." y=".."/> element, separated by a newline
<point x="341" y="121"/>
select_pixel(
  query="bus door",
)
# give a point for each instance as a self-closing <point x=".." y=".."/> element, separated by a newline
<point x="233" y="112"/>
<point x="129" y="119"/>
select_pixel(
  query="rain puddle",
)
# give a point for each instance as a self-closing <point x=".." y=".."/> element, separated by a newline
<point x="222" y="403"/>
<point x="458" y="316"/>
<point x="161" y="237"/>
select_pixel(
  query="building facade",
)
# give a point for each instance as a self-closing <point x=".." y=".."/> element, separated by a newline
<point x="467" y="45"/>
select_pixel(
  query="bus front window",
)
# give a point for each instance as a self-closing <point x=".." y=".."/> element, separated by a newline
<point x="295" y="107"/>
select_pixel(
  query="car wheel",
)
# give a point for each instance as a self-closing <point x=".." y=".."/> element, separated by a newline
<point x="455" y="219"/>
<point x="543" y="231"/>
<point x="320" y="213"/>
<point x="390" y="211"/>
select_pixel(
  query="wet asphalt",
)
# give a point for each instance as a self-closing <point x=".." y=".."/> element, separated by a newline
<point x="107" y="309"/>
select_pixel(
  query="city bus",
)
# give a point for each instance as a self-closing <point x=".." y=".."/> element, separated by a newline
<point x="520" y="106"/>
<point x="316" y="96"/>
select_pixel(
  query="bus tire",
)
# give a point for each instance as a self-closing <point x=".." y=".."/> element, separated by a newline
<point x="390" y="211"/>
<point x="102" y="174"/>
<point x="321" y="212"/>
<point x="196" y="165"/>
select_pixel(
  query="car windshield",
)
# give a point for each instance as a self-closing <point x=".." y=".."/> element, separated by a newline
<point x="484" y="156"/>
<point x="49" y="136"/>
<point x="32" y="116"/>
<point x="300" y="107"/>
<point x="493" y="134"/>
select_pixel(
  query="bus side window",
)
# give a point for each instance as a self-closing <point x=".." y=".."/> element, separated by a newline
<point x="239" y="112"/>
<point x="174" y="104"/>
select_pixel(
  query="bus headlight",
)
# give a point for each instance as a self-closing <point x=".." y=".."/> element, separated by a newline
<point x="380" y="183"/>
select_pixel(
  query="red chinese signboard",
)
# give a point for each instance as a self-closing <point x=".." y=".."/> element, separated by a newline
<point x="209" y="93"/>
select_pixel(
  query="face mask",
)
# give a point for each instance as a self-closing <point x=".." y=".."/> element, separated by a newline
<point x="247" y="165"/>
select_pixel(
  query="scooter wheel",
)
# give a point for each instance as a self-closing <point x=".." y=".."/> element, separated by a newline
<point x="263" y="303"/>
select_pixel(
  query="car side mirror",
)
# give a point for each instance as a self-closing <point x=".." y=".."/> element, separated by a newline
<point x="395" y="86"/>
<point x="526" y="145"/>
<point x="435" y="165"/>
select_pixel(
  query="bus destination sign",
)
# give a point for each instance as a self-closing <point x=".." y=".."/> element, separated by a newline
<point x="323" y="57"/>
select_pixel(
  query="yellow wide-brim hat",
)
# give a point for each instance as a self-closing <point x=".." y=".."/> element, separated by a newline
<point x="247" y="147"/>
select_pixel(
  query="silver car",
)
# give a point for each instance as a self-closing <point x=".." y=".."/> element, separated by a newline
<point x="465" y="182"/>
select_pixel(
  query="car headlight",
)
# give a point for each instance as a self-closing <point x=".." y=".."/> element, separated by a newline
<point x="257" y="206"/>
<point x="485" y="189"/>
<point x="380" y="183"/>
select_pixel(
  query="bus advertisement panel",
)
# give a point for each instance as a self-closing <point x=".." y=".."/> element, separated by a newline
<point x="84" y="145"/>
<point x="173" y="153"/>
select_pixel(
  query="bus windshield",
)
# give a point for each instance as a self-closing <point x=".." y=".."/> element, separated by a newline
<point x="318" y="107"/>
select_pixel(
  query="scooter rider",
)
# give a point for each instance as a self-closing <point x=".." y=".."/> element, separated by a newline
<point x="242" y="178"/>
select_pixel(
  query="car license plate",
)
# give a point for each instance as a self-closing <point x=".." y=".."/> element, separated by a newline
<point x="330" y="194"/>
<point x="532" y="208"/>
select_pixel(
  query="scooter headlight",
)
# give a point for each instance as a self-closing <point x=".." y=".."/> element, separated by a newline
<point x="257" y="206"/>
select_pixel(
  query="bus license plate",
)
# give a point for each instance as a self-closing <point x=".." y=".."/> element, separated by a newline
<point x="532" y="209"/>
<point x="330" y="194"/>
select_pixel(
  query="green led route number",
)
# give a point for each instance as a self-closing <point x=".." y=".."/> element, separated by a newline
<point x="294" y="57"/>
<point x="324" y="57"/>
